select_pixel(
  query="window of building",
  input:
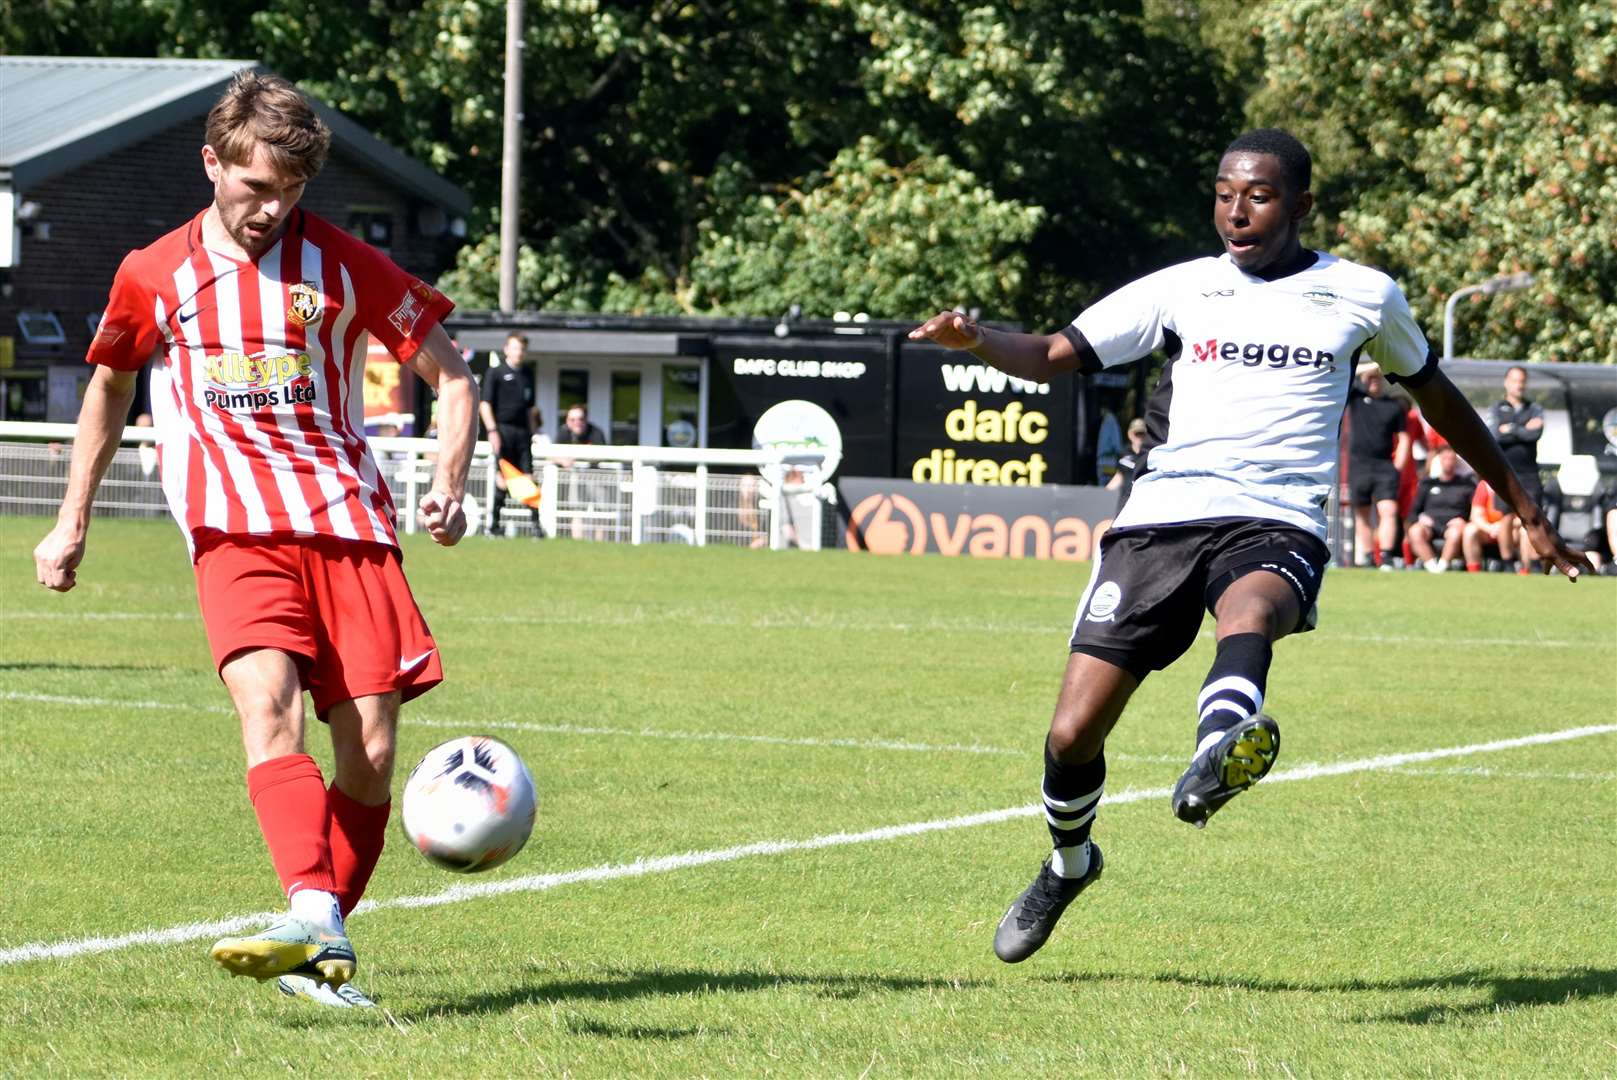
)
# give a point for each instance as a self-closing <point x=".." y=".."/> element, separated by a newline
<point x="372" y="225"/>
<point x="41" y="328"/>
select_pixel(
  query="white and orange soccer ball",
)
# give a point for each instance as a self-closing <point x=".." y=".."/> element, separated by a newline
<point x="469" y="805"/>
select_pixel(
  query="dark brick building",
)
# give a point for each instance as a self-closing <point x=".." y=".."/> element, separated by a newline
<point x="102" y="156"/>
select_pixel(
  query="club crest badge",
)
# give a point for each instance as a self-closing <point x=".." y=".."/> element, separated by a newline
<point x="1104" y="602"/>
<point x="1322" y="298"/>
<point x="305" y="304"/>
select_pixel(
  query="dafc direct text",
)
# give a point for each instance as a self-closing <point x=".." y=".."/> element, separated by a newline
<point x="1013" y="426"/>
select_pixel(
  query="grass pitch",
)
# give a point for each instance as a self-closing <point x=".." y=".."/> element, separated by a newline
<point x="761" y="731"/>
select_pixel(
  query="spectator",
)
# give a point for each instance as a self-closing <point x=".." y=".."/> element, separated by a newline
<point x="1517" y="424"/>
<point x="590" y="492"/>
<point x="1441" y="510"/>
<point x="1378" y="448"/>
<point x="1122" y="480"/>
<point x="1600" y="541"/>
<point x="509" y="415"/>
<point x="1492" y="526"/>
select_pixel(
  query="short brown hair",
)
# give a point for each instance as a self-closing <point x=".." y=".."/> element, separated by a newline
<point x="269" y="111"/>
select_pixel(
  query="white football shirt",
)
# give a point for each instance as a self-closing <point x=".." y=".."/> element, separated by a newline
<point x="1246" y="420"/>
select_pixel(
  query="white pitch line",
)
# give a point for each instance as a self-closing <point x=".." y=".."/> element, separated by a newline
<point x="74" y="947"/>
<point x="469" y="728"/>
<point x="713" y="736"/>
<point x="1509" y="774"/>
<point x="98" y="703"/>
<point x="818" y="621"/>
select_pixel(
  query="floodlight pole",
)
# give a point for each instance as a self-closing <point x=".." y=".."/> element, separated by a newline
<point x="1502" y="283"/>
<point x="511" y="157"/>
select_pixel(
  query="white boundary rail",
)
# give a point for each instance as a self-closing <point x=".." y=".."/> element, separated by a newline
<point x="630" y="494"/>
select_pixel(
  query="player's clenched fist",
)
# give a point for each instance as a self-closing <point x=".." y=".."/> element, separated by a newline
<point x="56" y="559"/>
<point x="443" y="517"/>
<point x="950" y="329"/>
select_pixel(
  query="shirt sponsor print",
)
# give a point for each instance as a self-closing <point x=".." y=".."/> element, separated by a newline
<point x="405" y="316"/>
<point x="237" y="382"/>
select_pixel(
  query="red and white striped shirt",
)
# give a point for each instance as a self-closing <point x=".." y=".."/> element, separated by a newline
<point x="259" y="403"/>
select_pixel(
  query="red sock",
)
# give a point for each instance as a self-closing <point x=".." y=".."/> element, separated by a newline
<point x="357" y="834"/>
<point x="1473" y="568"/>
<point x="289" y="795"/>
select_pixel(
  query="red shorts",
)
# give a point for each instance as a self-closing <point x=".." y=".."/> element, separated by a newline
<point x="341" y="607"/>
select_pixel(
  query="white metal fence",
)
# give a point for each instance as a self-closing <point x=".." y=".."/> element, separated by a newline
<point x="624" y="494"/>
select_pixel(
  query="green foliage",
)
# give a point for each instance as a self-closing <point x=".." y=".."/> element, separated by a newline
<point x="1460" y="141"/>
<point x="869" y="236"/>
<point x="736" y="158"/>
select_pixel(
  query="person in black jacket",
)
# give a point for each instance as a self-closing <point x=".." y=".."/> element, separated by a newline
<point x="510" y="417"/>
<point x="1378" y="447"/>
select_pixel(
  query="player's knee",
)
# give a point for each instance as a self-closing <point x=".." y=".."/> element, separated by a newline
<point x="1073" y="742"/>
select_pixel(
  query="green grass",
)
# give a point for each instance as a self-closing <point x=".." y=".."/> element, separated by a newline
<point x="1445" y="917"/>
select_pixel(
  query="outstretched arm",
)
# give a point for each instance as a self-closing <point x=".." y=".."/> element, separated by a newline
<point x="1452" y="415"/>
<point x="1035" y="357"/>
<point x="101" y="422"/>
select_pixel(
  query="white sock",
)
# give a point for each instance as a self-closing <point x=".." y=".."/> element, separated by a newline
<point x="1211" y="740"/>
<point x="1070" y="862"/>
<point x="320" y="908"/>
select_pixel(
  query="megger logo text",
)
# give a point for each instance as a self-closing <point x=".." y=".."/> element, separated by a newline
<point x="1254" y="353"/>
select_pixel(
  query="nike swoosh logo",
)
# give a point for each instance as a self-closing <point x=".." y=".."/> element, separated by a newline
<point x="407" y="664"/>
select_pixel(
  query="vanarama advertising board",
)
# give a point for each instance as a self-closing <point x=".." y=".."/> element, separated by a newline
<point x="961" y="421"/>
<point x="902" y="517"/>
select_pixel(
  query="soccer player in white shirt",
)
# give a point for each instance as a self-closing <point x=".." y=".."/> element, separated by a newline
<point x="1228" y="513"/>
<point x="262" y="312"/>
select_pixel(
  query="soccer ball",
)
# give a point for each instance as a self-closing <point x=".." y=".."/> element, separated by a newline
<point x="469" y="804"/>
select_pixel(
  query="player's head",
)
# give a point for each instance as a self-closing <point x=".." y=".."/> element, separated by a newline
<point x="1260" y="197"/>
<point x="516" y="348"/>
<point x="264" y="143"/>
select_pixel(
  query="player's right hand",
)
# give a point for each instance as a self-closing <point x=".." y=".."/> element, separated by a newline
<point x="443" y="516"/>
<point x="1545" y="539"/>
<point x="57" y="558"/>
<point x="950" y="329"/>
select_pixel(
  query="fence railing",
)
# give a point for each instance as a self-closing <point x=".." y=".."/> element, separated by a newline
<point x="626" y="494"/>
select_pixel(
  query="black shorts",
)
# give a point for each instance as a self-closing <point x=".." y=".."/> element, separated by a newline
<point x="1143" y="606"/>
<point x="1372" y="481"/>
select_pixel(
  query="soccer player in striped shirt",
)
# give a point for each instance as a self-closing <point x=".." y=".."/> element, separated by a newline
<point x="1227" y="514"/>
<point x="262" y="313"/>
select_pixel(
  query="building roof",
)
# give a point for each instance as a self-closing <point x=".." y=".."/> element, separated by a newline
<point x="61" y="112"/>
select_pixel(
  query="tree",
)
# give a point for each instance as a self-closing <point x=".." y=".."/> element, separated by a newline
<point x="1458" y="141"/>
<point x="684" y="155"/>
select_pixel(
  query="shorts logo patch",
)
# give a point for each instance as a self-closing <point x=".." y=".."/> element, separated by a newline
<point x="1104" y="601"/>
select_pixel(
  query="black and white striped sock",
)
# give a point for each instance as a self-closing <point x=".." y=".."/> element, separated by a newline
<point x="1233" y="691"/>
<point x="1071" y="795"/>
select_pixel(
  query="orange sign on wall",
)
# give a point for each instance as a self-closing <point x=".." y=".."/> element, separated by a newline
<point x="388" y="391"/>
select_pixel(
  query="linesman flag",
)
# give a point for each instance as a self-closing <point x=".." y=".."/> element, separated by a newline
<point x="519" y="485"/>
